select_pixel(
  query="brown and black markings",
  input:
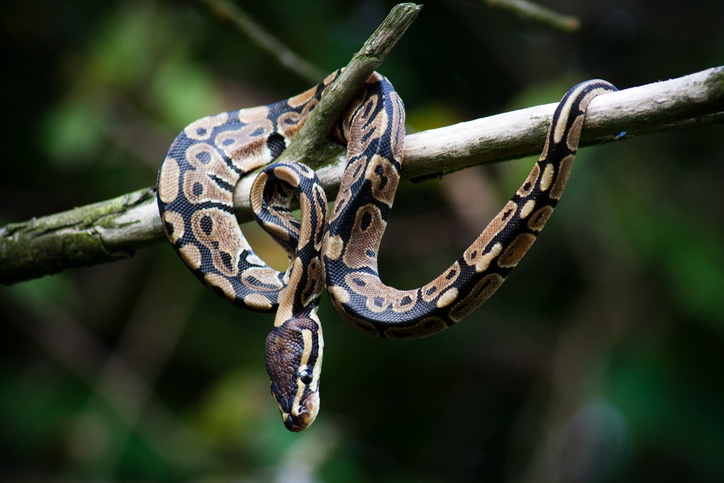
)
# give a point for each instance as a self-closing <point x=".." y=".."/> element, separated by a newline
<point x="207" y="159"/>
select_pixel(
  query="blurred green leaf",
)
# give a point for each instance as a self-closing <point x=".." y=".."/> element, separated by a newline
<point x="235" y="408"/>
<point x="433" y="115"/>
<point x="184" y="91"/>
<point x="74" y="130"/>
<point x="123" y="52"/>
<point x="687" y="252"/>
<point x="663" y="413"/>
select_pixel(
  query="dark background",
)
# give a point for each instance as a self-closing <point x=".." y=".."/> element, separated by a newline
<point x="600" y="359"/>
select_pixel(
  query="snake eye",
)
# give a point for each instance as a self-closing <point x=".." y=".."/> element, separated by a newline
<point x="305" y="376"/>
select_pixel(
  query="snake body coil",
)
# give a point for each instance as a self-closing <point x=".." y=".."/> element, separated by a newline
<point x="195" y="193"/>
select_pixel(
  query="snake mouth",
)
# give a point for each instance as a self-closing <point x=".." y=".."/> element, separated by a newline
<point x="298" y="423"/>
<point x="294" y="425"/>
<point x="301" y="417"/>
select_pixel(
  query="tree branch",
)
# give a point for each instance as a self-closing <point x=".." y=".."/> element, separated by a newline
<point x="311" y="145"/>
<point x="230" y="12"/>
<point x="537" y="13"/>
<point x="115" y="228"/>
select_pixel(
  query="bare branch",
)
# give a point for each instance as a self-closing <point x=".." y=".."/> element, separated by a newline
<point x="311" y="146"/>
<point x="537" y="13"/>
<point x="233" y="14"/>
<point x="695" y="99"/>
<point x="117" y="227"/>
<point x="97" y="233"/>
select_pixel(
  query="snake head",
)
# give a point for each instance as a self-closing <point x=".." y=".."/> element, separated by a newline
<point x="294" y="363"/>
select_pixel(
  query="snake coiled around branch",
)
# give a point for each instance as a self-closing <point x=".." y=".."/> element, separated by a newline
<point x="205" y="162"/>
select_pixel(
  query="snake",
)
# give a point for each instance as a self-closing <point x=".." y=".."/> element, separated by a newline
<point x="337" y="250"/>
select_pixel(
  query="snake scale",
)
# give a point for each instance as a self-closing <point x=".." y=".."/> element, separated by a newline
<point x="195" y="198"/>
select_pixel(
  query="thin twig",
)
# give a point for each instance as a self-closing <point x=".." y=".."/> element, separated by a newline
<point x="537" y="13"/>
<point x="47" y="245"/>
<point x="312" y="142"/>
<point x="233" y="14"/>
<point x="81" y="353"/>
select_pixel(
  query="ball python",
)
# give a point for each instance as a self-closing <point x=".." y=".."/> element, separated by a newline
<point x="195" y="198"/>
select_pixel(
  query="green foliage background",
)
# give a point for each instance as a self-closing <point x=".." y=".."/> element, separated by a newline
<point x="599" y="360"/>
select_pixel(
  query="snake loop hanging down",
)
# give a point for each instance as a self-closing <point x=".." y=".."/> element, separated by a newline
<point x="195" y="188"/>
